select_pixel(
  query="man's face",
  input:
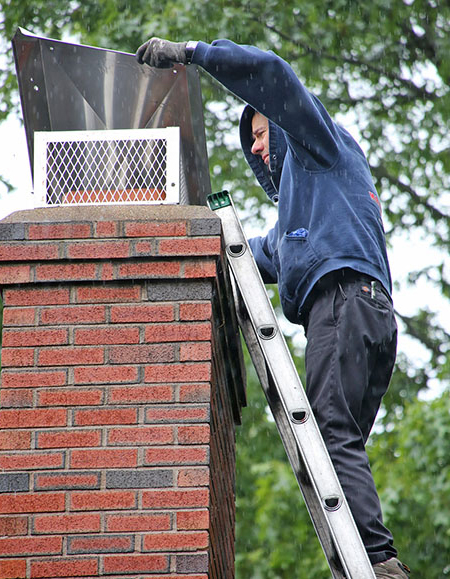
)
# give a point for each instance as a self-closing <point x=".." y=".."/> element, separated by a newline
<point x="260" y="134"/>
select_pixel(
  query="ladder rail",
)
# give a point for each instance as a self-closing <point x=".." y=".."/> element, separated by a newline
<point x="305" y="448"/>
<point x="283" y="427"/>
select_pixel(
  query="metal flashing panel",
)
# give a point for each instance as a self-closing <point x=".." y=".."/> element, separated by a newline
<point x="72" y="87"/>
<point x="93" y="167"/>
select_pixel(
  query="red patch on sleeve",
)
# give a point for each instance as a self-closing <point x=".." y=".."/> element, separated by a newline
<point x="377" y="201"/>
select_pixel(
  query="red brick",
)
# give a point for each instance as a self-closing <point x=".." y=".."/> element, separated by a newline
<point x="108" y="294"/>
<point x="16" y="398"/>
<point x="181" y="413"/>
<point x="13" y="569"/>
<point x="18" y="316"/>
<point x="70" y="356"/>
<point x="107" y="335"/>
<point x="123" y="523"/>
<point x="64" y="524"/>
<point x="190" y="246"/>
<point x="68" y="567"/>
<point x="31" y="545"/>
<point x="202" y="269"/>
<point x="34" y="337"/>
<point x="17" y="357"/>
<point x="105" y="374"/>
<point x="178" y="332"/>
<point x="33" y="418"/>
<point x="140" y="394"/>
<point x="197" y="434"/>
<point x="176" y="455"/>
<point x="60" y="231"/>
<point x="32" y="503"/>
<point x="156" y="229"/>
<point x="36" y="297"/>
<point x="15" y="440"/>
<point x="107" y="458"/>
<point x="69" y="397"/>
<point x="102" y="500"/>
<point x="190" y="520"/>
<point x="177" y="373"/>
<point x="69" y="439"/>
<point x="66" y="271"/>
<point x="143" y="435"/>
<point x="145" y="248"/>
<point x="149" y="269"/>
<point x="107" y="271"/>
<point x="195" y="392"/>
<point x="107" y="229"/>
<point x="12" y="274"/>
<point x="195" y="311"/>
<point x="33" y="460"/>
<point x="146" y="313"/>
<point x="176" y="541"/>
<point x="10" y="526"/>
<point x="73" y="315"/>
<point x="179" y="499"/>
<point x="66" y="480"/>
<point x="98" y="249"/>
<point x="193" y="477"/>
<point x="195" y="351"/>
<point x="142" y="354"/>
<point x="135" y="564"/>
<point x="33" y="379"/>
<point x="105" y="416"/>
<point x="23" y="251"/>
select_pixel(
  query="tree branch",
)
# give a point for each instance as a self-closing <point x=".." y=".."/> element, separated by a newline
<point x="416" y="91"/>
<point x="380" y="172"/>
<point x="414" y="327"/>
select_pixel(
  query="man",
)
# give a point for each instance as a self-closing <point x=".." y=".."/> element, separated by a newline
<point x="327" y="253"/>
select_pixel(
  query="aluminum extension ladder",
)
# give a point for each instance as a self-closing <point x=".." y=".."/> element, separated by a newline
<point x="306" y="450"/>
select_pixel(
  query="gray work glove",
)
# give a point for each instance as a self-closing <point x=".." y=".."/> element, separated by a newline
<point x="161" y="53"/>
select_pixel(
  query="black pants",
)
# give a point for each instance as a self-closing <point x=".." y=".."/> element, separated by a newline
<point x="350" y="353"/>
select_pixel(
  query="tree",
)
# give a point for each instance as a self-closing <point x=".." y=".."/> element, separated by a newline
<point x="381" y="66"/>
<point x="416" y="486"/>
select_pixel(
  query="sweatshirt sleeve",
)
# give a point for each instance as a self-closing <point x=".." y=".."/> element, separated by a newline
<point x="268" y="84"/>
<point x="262" y="249"/>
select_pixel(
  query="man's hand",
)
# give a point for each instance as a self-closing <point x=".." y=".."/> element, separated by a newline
<point x="161" y="53"/>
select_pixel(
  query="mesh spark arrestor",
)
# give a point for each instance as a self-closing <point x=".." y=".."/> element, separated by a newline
<point x="121" y="166"/>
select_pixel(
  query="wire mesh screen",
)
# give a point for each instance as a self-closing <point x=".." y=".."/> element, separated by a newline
<point x="95" y="167"/>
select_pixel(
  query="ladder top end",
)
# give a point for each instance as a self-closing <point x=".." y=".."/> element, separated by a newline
<point x="218" y="200"/>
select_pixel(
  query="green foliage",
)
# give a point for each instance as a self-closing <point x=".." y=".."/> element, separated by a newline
<point x="411" y="465"/>
<point x="274" y="536"/>
<point x="382" y="67"/>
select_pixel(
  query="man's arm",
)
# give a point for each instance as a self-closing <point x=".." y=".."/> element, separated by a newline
<point x="262" y="249"/>
<point x="268" y="83"/>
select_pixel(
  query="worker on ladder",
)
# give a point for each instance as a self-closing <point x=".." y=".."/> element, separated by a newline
<point x="327" y="252"/>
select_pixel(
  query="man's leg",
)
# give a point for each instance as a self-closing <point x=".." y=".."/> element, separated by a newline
<point x="350" y="353"/>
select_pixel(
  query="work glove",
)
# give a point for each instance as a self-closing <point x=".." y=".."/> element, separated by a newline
<point x="161" y="53"/>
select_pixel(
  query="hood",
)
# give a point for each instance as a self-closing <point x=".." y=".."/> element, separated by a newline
<point x="268" y="177"/>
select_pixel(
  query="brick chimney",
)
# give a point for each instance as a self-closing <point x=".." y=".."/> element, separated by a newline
<point x="122" y="382"/>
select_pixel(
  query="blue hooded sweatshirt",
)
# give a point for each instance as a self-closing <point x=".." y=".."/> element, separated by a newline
<point x="329" y="214"/>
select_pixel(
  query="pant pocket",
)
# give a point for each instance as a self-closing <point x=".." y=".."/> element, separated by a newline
<point x="339" y="298"/>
